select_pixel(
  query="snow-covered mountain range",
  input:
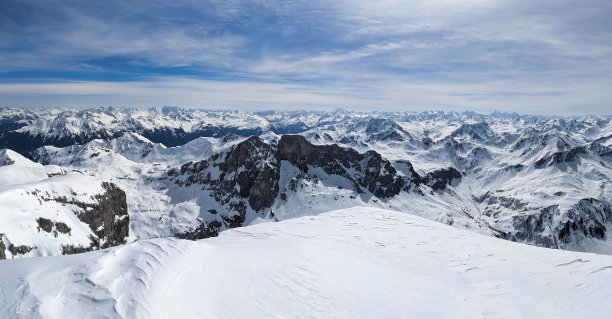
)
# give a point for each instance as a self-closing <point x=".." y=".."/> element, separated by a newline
<point x="96" y="178"/>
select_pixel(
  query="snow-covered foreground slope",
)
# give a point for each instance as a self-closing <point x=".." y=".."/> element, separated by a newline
<point x="351" y="263"/>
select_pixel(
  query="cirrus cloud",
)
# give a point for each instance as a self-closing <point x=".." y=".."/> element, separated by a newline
<point x="540" y="56"/>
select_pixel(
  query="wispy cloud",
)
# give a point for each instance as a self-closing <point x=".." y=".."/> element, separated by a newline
<point x="543" y="55"/>
<point x="197" y="93"/>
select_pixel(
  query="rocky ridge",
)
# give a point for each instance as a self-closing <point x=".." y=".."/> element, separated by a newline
<point x="247" y="177"/>
<point x="538" y="180"/>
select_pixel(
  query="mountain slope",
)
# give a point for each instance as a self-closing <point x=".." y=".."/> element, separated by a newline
<point x="46" y="211"/>
<point x="248" y="180"/>
<point x="543" y="181"/>
<point x="351" y="263"/>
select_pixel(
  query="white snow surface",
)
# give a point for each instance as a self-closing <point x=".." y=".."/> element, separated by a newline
<point x="349" y="263"/>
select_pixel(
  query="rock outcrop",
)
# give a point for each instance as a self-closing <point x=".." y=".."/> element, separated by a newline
<point x="101" y="218"/>
<point x="107" y="218"/>
<point x="601" y="151"/>
<point x="441" y="178"/>
<point x="246" y="176"/>
<point x="586" y="219"/>
<point x="552" y="228"/>
<point x="365" y="171"/>
<point x="2" y="247"/>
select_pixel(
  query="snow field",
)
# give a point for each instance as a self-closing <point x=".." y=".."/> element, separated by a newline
<point x="350" y="263"/>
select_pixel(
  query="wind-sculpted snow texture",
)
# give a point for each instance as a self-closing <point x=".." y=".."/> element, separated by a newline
<point x="350" y="263"/>
<point x="194" y="173"/>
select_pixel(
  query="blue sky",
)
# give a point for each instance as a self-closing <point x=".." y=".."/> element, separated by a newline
<point x="543" y="57"/>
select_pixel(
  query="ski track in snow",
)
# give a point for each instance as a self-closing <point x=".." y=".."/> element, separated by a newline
<point x="350" y="263"/>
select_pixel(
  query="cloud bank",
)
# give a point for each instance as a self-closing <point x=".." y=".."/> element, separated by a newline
<point x="536" y="57"/>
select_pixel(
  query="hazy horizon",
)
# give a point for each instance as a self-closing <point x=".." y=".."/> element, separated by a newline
<point x="302" y="109"/>
<point x="544" y="58"/>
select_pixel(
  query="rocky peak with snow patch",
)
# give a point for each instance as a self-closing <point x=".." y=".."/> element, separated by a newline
<point x="247" y="177"/>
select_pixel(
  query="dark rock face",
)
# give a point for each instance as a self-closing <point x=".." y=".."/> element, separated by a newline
<point x="258" y="180"/>
<point x="516" y="167"/>
<point x="204" y="230"/>
<point x="71" y="249"/>
<point x="247" y="175"/>
<point x="247" y="171"/>
<point x="586" y="219"/>
<point x="439" y="179"/>
<point x="44" y="224"/>
<point x="107" y="218"/>
<point x="573" y="154"/>
<point x="371" y="171"/>
<point x="62" y="228"/>
<point x="19" y="250"/>
<point x="532" y="228"/>
<point x="2" y="248"/>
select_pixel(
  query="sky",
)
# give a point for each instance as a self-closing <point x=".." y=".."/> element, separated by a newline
<point x="539" y="57"/>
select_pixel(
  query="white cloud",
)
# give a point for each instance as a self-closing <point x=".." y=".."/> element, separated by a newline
<point x="531" y="55"/>
<point x="503" y="96"/>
